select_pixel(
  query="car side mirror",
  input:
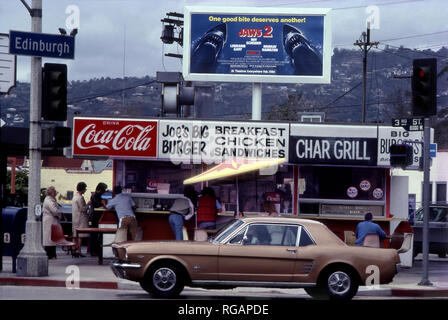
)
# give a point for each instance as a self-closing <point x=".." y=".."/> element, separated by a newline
<point x="245" y="240"/>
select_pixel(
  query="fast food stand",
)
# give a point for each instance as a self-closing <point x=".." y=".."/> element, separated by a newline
<point x="328" y="172"/>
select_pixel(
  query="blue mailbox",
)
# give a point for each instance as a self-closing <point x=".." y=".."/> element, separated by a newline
<point x="13" y="232"/>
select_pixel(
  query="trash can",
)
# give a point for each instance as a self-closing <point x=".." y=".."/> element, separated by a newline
<point x="13" y="232"/>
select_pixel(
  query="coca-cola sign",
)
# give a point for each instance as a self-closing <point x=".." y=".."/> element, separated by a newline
<point x="114" y="137"/>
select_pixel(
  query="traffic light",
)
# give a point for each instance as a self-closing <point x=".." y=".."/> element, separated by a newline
<point x="424" y="87"/>
<point x="174" y="93"/>
<point x="401" y="155"/>
<point x="56" y="137"/>
<point x="54" y="92"/>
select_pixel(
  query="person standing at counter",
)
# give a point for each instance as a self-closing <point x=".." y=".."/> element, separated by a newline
<point x="181" y="209"/>
<point x="96" y="201"/>
<point x="208" y="207"/>
<point x="80" y="219"/>
<point x="124" y="206"/>
<point x="52" y="214"/>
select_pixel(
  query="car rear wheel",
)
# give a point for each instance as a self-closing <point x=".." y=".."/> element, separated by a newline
<point x="339" y="284"/>
<point x="163" y="281"/>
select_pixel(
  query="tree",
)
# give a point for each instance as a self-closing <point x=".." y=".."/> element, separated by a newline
<point x="289" y="109"/>
<point x="401" y="102"/>
<point x="20" y="198"/>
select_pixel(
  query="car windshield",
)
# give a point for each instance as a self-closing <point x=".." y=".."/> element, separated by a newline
<point x="227" y="229"/>
<point x="436" y="214"/>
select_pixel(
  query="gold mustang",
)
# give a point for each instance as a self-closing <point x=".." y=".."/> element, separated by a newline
<point x="257" y="252"/>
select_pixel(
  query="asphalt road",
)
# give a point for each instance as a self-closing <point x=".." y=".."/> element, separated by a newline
<point x="59" y="293"/>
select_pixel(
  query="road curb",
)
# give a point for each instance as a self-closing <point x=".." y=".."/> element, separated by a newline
<point x="56" y="283"/>
<point x="434" y="293"/>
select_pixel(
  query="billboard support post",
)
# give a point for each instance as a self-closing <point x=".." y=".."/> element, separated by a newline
<point x="256" y="100"/>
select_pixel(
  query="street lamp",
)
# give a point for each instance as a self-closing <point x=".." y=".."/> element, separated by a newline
<point x="73" y="33"/>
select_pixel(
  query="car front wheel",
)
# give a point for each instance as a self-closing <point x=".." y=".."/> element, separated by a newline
<point x="163" y="281"/>
<point x="339" y="284"/>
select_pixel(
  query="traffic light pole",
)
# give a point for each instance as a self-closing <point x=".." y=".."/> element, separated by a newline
<point x="427" y="131"/>
<point x="32" y="260"/>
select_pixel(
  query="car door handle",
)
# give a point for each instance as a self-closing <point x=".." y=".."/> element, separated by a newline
<point x="291" y="250"/>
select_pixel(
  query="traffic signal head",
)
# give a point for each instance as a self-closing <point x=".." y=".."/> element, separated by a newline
<point x="56" y="137"/>
<point x="424" y="87"/>
<point x="401" y="155"/>
<point x="54" y="92"/>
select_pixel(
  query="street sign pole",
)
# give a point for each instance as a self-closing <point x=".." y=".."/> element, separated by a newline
<point x="32" y="260"/>
<point x="426" y="145"/>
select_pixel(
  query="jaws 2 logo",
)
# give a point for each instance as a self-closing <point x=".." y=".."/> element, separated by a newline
<point x="266" y="32"/>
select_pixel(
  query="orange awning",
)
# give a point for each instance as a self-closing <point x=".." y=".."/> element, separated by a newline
<point x="232" y="167"/>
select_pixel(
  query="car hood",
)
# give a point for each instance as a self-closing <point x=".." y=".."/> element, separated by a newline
<point x="167" y="247"/>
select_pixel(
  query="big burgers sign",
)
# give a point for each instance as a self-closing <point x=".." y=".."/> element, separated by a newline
<point x="114" y="137"/>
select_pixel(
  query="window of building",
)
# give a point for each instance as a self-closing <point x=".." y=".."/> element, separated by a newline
<point x="441" y="192"/>
<point x="341" y="190"/>
<point x="147" y="176"/>
<point x="253" y="190"/>
<point x="317" y="182"/>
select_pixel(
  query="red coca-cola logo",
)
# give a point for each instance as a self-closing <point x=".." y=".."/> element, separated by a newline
<point x="112" y="137"/>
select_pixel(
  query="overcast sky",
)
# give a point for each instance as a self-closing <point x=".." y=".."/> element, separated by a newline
<point x="124" y="35"/>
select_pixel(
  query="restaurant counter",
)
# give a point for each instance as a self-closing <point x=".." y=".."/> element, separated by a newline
<point x="154" y="223"/>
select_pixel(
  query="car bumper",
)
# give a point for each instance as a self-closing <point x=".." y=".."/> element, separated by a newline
<point x="121" y="269"/>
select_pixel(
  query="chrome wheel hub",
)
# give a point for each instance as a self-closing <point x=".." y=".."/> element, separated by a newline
<point x="339" y="283"/>
<point x="164" y="279"/>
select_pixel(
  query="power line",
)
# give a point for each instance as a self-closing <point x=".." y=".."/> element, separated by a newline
<point x="77" y="100"/>
<point x="395" y="54"/>
<point x="345" y="8"/>
<point x="415" y="36"/>
<point x="328" y="105"/>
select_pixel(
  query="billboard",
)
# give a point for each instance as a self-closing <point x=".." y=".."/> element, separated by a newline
<point x="257" y="45"/>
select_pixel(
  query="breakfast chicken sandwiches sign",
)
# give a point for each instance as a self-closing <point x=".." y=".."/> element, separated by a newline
<point x="115" y="137"/>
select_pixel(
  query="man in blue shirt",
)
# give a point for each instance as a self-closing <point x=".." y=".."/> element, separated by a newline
<point x="367" y="227"/>
<point x="124" y="207"/>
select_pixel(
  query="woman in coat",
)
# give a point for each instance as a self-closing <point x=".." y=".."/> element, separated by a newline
<point x="80" y="218"/>
<point x="52" y="214"/>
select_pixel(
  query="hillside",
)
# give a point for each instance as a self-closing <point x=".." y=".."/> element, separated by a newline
<point x="387" y="97"/>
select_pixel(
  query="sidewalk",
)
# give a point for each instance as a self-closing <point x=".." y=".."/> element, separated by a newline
<point x="94" y="276"/>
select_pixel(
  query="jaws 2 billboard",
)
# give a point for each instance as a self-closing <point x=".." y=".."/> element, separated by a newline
<point x="257" y="45"/>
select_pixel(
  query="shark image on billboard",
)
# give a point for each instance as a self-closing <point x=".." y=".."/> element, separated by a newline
<point x="257" y="45"/>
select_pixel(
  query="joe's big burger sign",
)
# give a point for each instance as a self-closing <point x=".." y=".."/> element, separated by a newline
<point x="114" y="137"/>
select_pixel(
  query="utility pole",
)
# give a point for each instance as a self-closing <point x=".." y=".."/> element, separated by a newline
<point x="365" y="45"/>
<point x="32" y="260"/>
